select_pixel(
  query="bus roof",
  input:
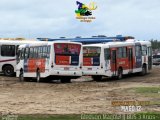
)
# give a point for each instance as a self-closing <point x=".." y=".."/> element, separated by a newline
<point x="148" y="43"/>
<point x="110" y="44"/>
<point x="16" y="42"/>
<point x="90" y="40"/>
<point x="39" y="43"/>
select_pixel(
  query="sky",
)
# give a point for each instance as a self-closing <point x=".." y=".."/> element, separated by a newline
<point x="57" y="18"/>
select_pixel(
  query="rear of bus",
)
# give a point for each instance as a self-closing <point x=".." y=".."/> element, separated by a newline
<point x="92" y="60"/>
<point x="8" y="52"/>
<point x="146" y="56"/>
<point x="67" y="59"/>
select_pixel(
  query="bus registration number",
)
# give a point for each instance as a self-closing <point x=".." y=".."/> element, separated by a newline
<point x="66" y="68"/>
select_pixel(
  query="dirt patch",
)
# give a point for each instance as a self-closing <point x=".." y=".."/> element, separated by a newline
<point x="81" y="96"/>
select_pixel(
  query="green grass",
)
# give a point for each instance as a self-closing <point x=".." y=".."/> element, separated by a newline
<point x="147" y="90"/>
<point x="47" y="117"/>
<point x="152" y="92"/>
<point x="137" y="116"/>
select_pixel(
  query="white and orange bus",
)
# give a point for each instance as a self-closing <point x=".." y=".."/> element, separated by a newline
<point x="57" y="60"/>
<point x="8" y="53"/>
<point x="116" y="59"/>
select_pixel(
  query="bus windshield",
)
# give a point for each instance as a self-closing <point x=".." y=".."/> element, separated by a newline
<point x="91" y="56"/>
<point x="67" y="53"/>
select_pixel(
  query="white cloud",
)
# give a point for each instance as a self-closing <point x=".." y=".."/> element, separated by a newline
<point x="52" y="18"/>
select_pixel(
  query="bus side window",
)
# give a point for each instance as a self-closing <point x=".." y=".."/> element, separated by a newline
<point x="26" y="55"/>
<point x="35" y="52"/>
<point x="8" y="50"/>
<point x="44" y="51"/>
<point x="124" y="52"/>
<point x="38" y="52"/>
<point x="41" y="52"/>
<point x="22" y="54"/>
<point x="138" y="50"/>
<point x="120" y="52"/>
<point x="31" y="52"/>
<point x="144" y="50"/>
<point x="48" y="51"/>
<point x="107" y="54"/>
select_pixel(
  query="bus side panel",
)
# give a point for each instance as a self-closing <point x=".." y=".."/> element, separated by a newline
<point x="34" y="64"/>
<point x="122" y="62"/>
<point x="41" y="64"/>
<point x="31" y="65"/>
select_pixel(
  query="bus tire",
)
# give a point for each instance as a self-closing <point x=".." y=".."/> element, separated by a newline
<point x="8" y="70"/>
<point x="97" y="77"/>
<point x="21" y="77"/>
<point x="38" y="77"/>
<point x="120" y="74"/>
<point x="144" y="70"/>
<point x="65" y="80"/>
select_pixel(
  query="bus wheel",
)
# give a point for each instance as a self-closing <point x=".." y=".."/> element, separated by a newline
<point x="8" y="70"/>
<point x="21" y="77"/>
<point x="38" y="77"/>
<point x="97" y="77"/>
<point x="65" y="80"/>
<point x="144" y="70"/>
<point x="120" y="74"/>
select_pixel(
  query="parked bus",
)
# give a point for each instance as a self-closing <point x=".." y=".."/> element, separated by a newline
<point x="55" y="60"/>
<point x="8" y="52"/>
<point x="116" y="59"/>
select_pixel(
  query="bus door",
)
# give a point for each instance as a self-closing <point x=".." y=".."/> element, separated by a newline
<point x="138" y="54"/>
<point x="130" y="59"/>
<point x="149" y="58"/>
<point x="114" y="61"/>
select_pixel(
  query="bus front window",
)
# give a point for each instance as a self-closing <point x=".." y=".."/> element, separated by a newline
<point x="67" y="53"/>
<point x="91" y="56"/>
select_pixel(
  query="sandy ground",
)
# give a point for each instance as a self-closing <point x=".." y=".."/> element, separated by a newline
<point x="80" y="96"/>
